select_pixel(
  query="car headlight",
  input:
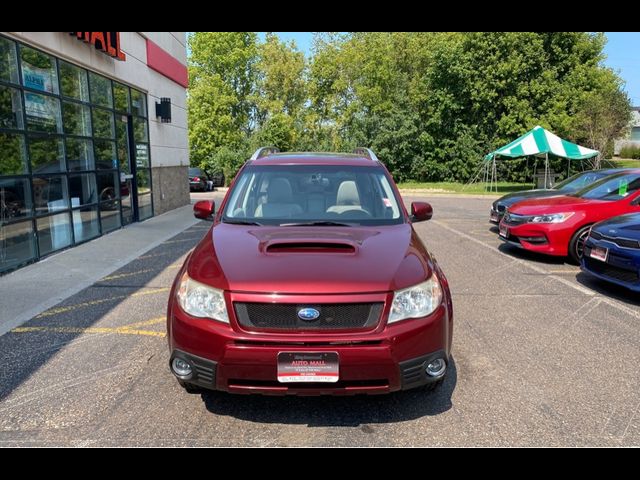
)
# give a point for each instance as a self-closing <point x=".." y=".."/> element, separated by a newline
<point x="552" y="218"/>
<point x="200" y="300"/>
<point x="417" y="301"/>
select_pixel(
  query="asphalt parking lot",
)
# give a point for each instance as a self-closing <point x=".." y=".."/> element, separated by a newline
<point x="542" y="355"/>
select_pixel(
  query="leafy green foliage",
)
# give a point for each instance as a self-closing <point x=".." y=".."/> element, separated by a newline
<point x="431" y="104"/>
<point x="630" y="152"/>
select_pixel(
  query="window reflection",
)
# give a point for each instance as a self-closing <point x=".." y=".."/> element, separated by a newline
<point x="38" y="70"/>
<point x="47" y="154"/>
<point x="15" y="199"/>
<point x="10" y="108"/>
<point x="50" y="194"/>
<point x="14" y="159"/>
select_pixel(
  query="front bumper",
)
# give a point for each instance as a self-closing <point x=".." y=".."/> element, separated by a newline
<point x="388" y="359"/>
<point x="495" y="216"/>
<point x="622" y="266"/>
<point x="536" y="238"/>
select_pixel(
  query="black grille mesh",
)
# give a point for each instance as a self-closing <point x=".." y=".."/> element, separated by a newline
<point x="283" y="316"/>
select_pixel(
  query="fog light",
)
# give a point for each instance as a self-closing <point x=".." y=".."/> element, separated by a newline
<point x="181" y="367"/>
<point x="436" y="368"/>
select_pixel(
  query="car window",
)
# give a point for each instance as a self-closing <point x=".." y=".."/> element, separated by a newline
<point x="580" y="181"/>
<point x="612" y="188"/>
<point x="277" y="194"/>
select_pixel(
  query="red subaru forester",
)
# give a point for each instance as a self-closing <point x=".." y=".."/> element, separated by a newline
<point x="311" y="281"/>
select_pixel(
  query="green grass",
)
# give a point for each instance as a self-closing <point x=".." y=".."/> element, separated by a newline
<point x="453" y="187"/>
<point x="621" y="163"/>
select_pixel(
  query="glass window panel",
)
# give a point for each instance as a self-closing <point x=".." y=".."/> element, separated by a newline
<point x="17" y="244"/>
<point x="106" y="154"/>
<point x="76" y="119"/>
<point x="123" y="143"/>
<point x="140" y="133"/>
<point x="8" y="61"/>
<point x="138" y="103"/>
<point x="13" y="158"/>
<point x="100" y="88"/>
<point x="145" y="209"/>
<point x="73" y="82"/>
<point x="79" y="154"/>
<point x="121" y="97"/>
<point x="46" y="154"/>
<point x="144" y="181"/>
<point x="108" y="187"/>
<point x="85" y="223"/>
<point x="42" y="113"/>
<point x="82" y="189"/>
<point x="15" y="199"/>
<point x="50" y="194"/>
<point x="38" y="70"/>
<point x="142" y="155"/>
<point x="103" y="123"/>
<point x="54" y="233"/>
<point x="110" y="216"/>
<point x="10" y="108"/>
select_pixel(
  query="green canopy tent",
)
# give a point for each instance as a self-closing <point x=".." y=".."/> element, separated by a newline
<point x="539" y="143"/>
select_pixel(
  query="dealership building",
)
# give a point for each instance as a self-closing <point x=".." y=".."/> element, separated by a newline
<point x="93" y="136"/>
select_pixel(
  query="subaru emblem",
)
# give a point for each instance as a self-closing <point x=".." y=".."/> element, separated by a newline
<point x="308" y="314"/>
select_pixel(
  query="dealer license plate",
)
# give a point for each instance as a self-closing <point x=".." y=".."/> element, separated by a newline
<point x="599" y="253"/>
<point x="494" y="216"/>
<point x="504" y="231"/>
<point x="308" y="367"/>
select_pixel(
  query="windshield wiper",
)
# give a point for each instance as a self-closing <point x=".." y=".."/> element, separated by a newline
<point x="320" y="223"/>
<point x="240" y="222"/>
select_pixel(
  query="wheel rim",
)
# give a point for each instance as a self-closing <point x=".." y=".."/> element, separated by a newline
<point x="580" y="243"/>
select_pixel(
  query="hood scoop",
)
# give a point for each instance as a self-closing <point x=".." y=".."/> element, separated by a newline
<point x="313" y="246"/>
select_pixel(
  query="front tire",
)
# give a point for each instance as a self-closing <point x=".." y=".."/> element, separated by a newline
<point x="576" y="245"/>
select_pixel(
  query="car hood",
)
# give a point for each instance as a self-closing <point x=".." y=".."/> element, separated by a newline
<point x="310" y="260"/>
<point x="516" y="197"/>
<point x="557" y="204"/>
<point x="625" y="226"/>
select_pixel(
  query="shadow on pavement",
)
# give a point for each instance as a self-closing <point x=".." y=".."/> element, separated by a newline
<point x="23" y="353"/>
<point x="336" y="410"/>
<point x="531" y="256"/>
<point x="609" y="289"/>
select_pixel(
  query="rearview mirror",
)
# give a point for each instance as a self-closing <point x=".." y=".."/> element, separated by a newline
<point x="421" y="211"/>
<point x="204" y="209"/>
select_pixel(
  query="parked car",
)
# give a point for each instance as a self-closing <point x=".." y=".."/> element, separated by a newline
<point x="217" y="179"/>
<point x="612" y="251"/>
<point x="570" y="185"/>
<point x="310" y="281"/>
<point x="559" y="225"/>
<point x="197" y="179"/>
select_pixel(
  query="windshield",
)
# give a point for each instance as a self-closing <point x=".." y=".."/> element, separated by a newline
<point x="581" y="180"/>
<point x="194" y="172"/>
<point x="308" y="194"/>
<point x="615" y="187"/>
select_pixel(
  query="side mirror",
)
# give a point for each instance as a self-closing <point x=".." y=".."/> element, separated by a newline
<point x="421" y="211"/>
<point x="204" y="209"/>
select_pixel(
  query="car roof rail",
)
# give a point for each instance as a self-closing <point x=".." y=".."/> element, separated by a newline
<point x="366" y="152"/>
<point x="263" y="152"/>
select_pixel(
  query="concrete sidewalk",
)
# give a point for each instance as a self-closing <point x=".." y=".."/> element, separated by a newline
<point x="33" y="289"/>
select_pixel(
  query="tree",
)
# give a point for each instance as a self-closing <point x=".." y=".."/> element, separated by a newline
<point x="603" y="115"/>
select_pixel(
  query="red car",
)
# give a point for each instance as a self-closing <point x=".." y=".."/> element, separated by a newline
<point x="310" y="281"/>
<point x="560" y="225"/>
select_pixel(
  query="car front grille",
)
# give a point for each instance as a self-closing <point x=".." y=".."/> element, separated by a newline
<point x="621" y="242"/>
<point x="515" y="219"/>
<point x="333" y="316"/>
<point x="607" y="270"/>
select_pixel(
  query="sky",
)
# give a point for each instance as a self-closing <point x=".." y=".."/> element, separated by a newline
<point x="622" y="50"/>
